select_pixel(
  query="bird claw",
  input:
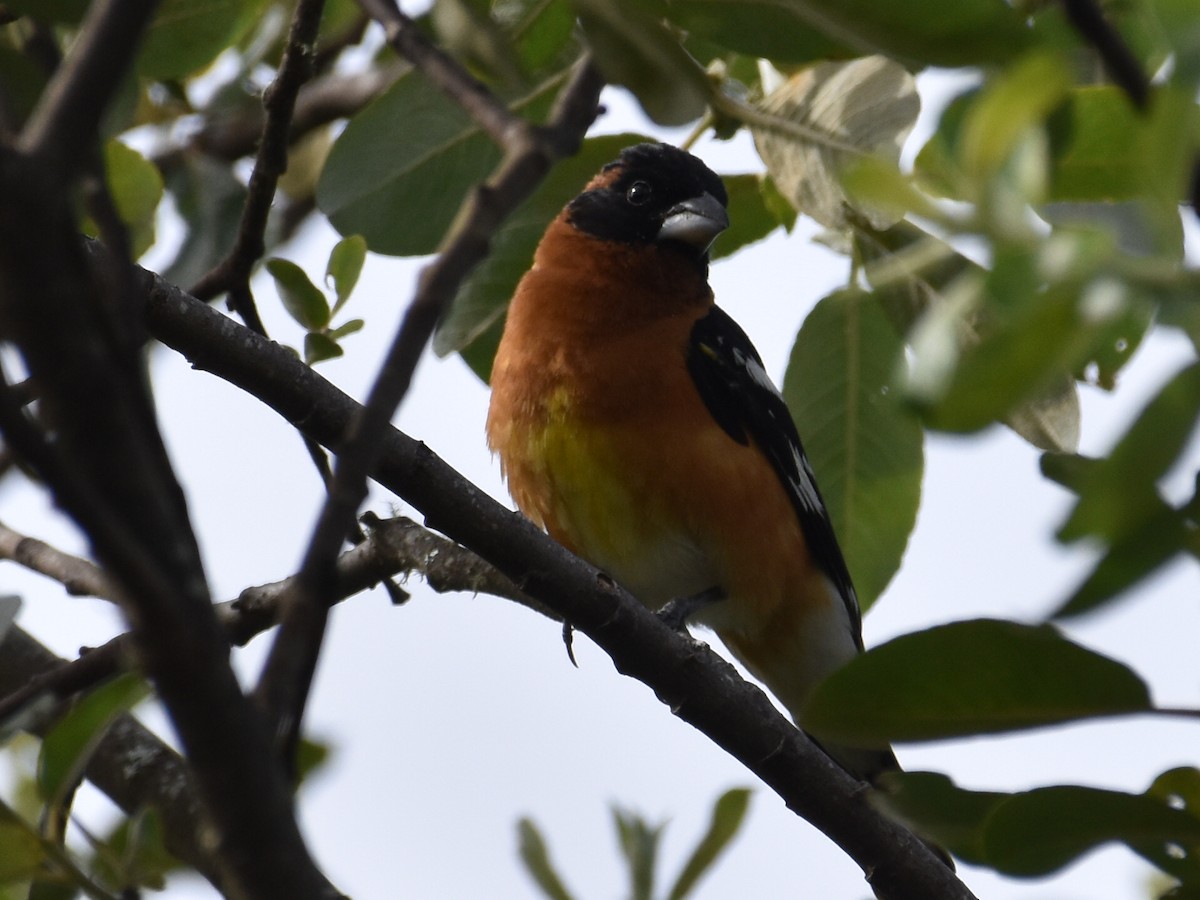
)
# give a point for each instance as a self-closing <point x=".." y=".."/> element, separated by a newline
<point x="675" y="613"/>
<point x="568" y="636"/>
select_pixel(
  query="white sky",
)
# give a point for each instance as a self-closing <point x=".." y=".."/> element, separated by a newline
<point x="453" y="716"/>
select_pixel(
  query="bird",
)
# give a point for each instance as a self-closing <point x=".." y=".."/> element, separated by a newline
<point x="635" y="422"/>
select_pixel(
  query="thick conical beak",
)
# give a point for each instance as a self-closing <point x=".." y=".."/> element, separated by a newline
<point x="697" y="221"/>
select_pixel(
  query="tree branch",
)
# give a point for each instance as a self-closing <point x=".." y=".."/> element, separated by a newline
<point x="130" y="765"/>
<point x="485" y="108"/>
<point x="65" y="122"/>
<point x="693" y="681"/>
<point x="80" y="577"/>
<point x="287" y="676"/>
<point x="110" y="470"/>
<point x="395" y="547"/>
<point x="324" y="100"/>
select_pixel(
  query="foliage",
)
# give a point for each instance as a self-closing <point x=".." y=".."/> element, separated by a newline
<point x="640" y="843"/>
<point x="1066" y="188"/>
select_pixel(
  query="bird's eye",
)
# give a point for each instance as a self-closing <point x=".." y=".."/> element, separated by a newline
<point x="639" y="192"/>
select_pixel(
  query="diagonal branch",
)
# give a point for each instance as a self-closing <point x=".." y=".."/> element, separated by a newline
<point x="287" y="676"/>
<point x="693" y="681"/>
<point x="66" y="120"/>
<point x="1120" y="63"/>
<point x="485" y="108"/>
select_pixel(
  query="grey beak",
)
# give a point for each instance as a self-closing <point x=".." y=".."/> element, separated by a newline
<point x="697" y="221"/>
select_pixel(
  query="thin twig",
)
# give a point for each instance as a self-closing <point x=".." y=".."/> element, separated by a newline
<point x="80" y="577"/>
<point x="232" y="274"/>
<point x="395" y="547"/>
<point x="487" y="110"/>
<point x="1120" y="63"/>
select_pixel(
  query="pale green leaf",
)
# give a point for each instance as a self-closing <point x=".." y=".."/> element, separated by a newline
<point x="728" y="814"/>
<point x="67" y="747"/>
<point x="345" y="265"/>
<point x="303" y="300"/>
<point x="535" y="856"/>
<point x="840" y="112"/>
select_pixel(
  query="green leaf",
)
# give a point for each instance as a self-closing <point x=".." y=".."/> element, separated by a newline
<point x="402" y="195"/>
<point x="137" y="853"/>
<point x="534" y="855"/>
<point x="346" y="328"/>
<point x="474" y="322"/>
<point x="1129" y="561"/>
<point x="23" y="80"/>
<point x="981" y="676"/>
<point x="930" y="292"/>
<point x="136" y="187"/>
<point x="1027" y="350"/>
<point x="311" y="757"/>
<point x="303" y="300"/>
<point x="864" y="107"/>
<point x="1016" y="100"/>
<point x="767" y="30"/>
<point x="65" y="12"/>
<point x="635" y="50"/>
<point x="750" y="218"/>
<point x="187" y="35"/>
<point x="1118" y="493"/>
<point x="319" y="347"/>
<point x="728" y="814"/>
<point x="933" y="806"/>
<point x="1180" y="790"/>
<point x="210" y="200"/>
<point x="544" y="36"/>
<point x="1094" y="141"/>
<point x="864" y="444"/>
<point x="66" y="748"/>
<point x="639" y="842"/>
<point x="1040" y="831"/>
<point x="23" y="854"/>
<point x="468" y="32"/>
<point x="946" y="33"/>
<point x="345" y="265"/>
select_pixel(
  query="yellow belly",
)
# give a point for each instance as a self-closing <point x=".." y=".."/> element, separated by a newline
<point x="578" y="482"/>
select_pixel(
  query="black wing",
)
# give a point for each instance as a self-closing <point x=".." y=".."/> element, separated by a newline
<point x="735" y="387"/>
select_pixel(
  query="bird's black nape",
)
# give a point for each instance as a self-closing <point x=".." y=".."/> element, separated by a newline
<point x="638" y="190"/>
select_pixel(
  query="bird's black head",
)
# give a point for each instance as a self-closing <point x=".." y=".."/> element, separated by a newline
<point x="653" y="193"/>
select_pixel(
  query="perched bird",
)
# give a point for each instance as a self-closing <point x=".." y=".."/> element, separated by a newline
<point x="635" y="422"/>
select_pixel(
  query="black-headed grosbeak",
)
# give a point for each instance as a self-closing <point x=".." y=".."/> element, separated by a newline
<point x="635" y="422"/>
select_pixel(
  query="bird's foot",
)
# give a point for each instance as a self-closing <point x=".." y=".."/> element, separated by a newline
<point x="675" y="613"/>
